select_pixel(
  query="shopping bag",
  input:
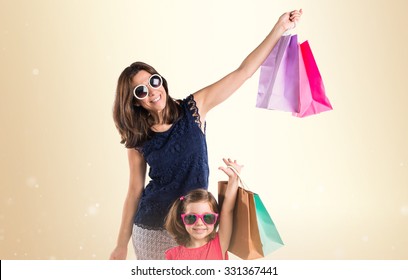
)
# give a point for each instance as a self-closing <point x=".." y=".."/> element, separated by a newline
<point x="245" y="239"/>
<point x="312" y="94"/>
<point x="270" y="237"/>
<point x="278" y="87"/>
<point x="254" y="234"/>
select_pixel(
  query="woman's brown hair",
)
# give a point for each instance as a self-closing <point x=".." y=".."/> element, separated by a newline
<point x="173" y="223"/>
<point x="134" y="122"/>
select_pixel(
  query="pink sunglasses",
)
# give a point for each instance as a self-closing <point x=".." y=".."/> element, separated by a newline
<point x="207" y="218"/>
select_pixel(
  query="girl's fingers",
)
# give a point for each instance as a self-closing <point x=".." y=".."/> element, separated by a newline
<point x="229" y="162"/>
<point x="227" y="171"/>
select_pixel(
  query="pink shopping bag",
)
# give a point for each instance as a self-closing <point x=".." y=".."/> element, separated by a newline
<point x="312" y="95"/>
<point x="279" y="77"/>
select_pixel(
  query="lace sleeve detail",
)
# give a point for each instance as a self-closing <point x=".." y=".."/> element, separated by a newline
<point x="192" y="106"/>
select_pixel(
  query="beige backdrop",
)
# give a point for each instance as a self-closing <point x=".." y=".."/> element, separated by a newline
<point x="336" y="184"/>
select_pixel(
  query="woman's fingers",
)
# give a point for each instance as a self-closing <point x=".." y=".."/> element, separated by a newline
<point x="295" y="15"/>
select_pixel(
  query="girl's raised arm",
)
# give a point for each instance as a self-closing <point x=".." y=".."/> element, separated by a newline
<point x="225" y="227"/>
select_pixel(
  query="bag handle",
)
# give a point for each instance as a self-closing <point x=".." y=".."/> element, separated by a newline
<point x="245" y="186"/>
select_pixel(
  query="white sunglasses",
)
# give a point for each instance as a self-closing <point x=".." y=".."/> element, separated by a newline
<point x="142" y="91"/>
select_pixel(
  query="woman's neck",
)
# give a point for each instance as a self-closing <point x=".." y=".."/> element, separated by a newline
<point x="157" y="117"/>
<point x="160" y="127"/>
<point x="158" y="121"/>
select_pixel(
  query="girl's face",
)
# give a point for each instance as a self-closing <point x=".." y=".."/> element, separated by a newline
<point x="155" y="102"/>
<point x="200" y="231"/>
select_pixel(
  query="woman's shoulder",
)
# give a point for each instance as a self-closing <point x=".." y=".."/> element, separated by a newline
<point x="190" y="107"/>
<point x="189" y="99"/>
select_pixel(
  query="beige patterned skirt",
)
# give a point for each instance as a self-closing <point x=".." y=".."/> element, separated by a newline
<point x="151" y="244"/>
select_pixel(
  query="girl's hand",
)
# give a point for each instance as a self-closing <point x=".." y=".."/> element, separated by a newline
<point x="289" y="19"/>
<point x="229" y="171"/>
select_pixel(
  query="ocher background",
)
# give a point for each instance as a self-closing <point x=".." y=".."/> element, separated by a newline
<point x="336" y="184"/>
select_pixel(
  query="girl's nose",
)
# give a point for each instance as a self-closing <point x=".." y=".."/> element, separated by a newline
<point x="200" y="221"/>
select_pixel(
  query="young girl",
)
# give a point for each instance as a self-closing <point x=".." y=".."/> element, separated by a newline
<point x="193" y="221"/>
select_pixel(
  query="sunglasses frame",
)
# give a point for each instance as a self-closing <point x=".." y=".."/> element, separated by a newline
<point x="199" y="216"/>
<point x="145" y="86"/>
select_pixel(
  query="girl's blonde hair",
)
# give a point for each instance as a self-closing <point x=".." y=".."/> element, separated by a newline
<point x="173" y="222"/>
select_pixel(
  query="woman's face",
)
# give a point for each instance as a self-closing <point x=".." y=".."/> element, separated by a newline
<point x="155" y="102"/>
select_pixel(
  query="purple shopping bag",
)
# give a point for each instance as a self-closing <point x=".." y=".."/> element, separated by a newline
<point x="279" y="77"/>
<point x="312" y="95"/>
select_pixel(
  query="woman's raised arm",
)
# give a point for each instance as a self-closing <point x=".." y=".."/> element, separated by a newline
<point x="214" y="94"/>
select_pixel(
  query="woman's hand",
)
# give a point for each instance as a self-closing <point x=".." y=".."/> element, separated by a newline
<point x="289" y="19"/>
<point x="119" y="253"/>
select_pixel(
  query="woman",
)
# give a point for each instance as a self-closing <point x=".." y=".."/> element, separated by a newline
<point x="169" y="136"/>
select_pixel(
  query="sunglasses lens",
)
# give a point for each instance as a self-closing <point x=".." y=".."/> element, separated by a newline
<point x="210" y="219"/>
<point x="155" y="81"/>
<point x="141" y="92"/>
<point x="190" y="219"/>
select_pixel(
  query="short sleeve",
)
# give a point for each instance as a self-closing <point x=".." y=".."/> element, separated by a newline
<point x="193" y="110"/>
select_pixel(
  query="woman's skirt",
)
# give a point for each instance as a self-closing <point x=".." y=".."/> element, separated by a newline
<point x="151" y="244"/>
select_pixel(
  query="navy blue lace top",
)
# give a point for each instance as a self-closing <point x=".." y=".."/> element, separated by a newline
<point x="178" y="162"/>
